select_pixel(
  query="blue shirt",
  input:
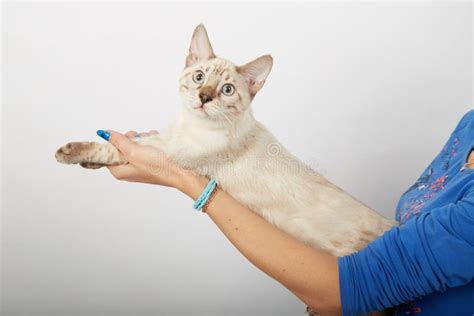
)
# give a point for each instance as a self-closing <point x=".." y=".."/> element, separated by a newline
<point x="425" y="266"/>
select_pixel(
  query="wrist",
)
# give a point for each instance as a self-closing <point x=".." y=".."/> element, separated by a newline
<point x="190" y="183"/>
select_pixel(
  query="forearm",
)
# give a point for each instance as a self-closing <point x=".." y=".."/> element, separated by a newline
<point x="310" y="274"/>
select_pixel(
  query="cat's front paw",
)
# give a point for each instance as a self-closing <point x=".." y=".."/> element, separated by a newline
<point x="73" y="153"/>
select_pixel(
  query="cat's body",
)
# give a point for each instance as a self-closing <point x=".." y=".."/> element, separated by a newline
<point x="259" y="172"/>
<point x="216" y="135"/>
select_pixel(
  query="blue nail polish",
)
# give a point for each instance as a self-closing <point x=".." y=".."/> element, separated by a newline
<point x="104" y="134"/>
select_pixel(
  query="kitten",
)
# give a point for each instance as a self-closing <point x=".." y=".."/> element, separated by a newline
<point x="216" y="135"/>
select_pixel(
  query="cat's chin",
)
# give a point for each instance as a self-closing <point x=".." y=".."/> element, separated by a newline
<point x="199" y="112"/>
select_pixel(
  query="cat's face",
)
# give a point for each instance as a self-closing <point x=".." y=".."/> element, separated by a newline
<point x="215" y="88"/>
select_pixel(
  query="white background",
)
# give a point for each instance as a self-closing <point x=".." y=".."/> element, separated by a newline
<point x="366" y="93"/>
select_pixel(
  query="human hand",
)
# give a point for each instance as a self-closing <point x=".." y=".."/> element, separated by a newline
<point x="146" y="164"/>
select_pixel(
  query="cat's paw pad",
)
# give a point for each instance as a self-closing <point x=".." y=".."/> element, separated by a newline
<point x="73" y="153"/>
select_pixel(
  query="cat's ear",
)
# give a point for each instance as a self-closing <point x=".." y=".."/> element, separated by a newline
<point x="200" y="48"/>
<point x="256" y="71"/>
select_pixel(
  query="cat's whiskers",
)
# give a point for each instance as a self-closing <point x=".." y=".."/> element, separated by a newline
<point x="190" y="99"/>
<point x="222" y="118"/>
<point x="227" y="119"/>
<point x="212" y="110"/>
<point x="227" y="122"/>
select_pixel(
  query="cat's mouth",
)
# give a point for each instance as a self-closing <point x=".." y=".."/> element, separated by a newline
<point x="200" y="108"/>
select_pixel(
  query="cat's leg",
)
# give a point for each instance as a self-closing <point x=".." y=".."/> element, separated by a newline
<point x="90" y="154"/>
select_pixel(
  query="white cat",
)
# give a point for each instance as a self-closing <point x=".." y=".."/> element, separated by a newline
<point x="216" y="135"/>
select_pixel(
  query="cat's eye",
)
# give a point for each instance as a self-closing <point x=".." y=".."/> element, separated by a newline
<point x="199" y="77"/>
<point x="228" y="89"/>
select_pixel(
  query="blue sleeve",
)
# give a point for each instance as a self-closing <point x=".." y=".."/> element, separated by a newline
<point x="429" y="253"/>
<point x="466" y="120"/>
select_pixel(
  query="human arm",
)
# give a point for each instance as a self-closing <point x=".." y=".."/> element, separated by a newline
<point x="403" y="264"/>
<point x="310" y="274"/>
<point x="429" y="253"/>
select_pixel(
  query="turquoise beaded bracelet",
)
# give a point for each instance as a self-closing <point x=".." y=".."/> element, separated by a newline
<point x="204" y="197"/>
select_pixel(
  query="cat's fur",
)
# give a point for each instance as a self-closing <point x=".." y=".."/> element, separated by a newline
<point x="221" y="140"/>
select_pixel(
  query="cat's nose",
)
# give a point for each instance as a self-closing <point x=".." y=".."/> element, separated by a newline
<point x="204" y="98"/>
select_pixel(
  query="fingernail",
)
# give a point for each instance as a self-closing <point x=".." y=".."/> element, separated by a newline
<point x="104" y="134"/>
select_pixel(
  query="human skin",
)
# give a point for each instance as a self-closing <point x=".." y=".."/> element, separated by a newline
<point x="310" y="274"/>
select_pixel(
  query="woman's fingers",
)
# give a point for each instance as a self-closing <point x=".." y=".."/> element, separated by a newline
<point x="152" y="132"/>
<point x="123" y="144"/>
<point x="133" y="152"/>
<point x="131" y="134"/>
<point x="146" y="164"/>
